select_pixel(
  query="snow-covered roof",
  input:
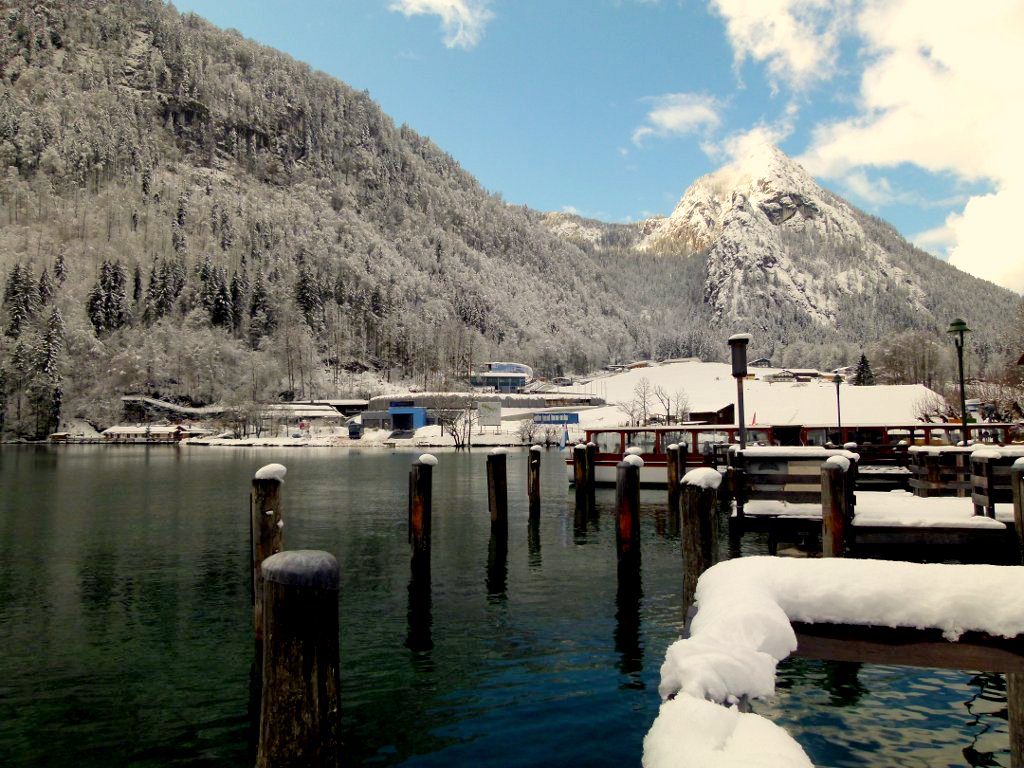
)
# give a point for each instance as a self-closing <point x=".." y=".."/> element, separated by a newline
<point x="153" y="429"/>
<point x="711" y="387"/>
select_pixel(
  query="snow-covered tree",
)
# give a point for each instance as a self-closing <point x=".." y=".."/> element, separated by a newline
<point x="864" y="376"/>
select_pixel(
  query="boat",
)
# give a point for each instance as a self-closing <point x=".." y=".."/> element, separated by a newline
<point x="881" y="446"/>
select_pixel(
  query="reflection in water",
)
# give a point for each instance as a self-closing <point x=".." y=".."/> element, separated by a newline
<point x="497" y="568"/>
<point x="419" y="638"/>
<point x="628" y="597"/>
<point x="533" y="544"/>
<point x="842" y="683"/>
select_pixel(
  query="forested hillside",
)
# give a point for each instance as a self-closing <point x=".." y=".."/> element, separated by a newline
<point x="231" y="225"/>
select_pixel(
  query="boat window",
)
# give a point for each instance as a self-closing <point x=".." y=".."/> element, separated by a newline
<point x="708" y="438"/>
<point x="758" y="437"/>
<point x="608" y="442"/>
<point x="682" y="438"/>
<point x="817" y="436"/>
<point x="642" y="440"/>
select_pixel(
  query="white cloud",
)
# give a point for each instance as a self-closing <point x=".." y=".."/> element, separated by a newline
<point x="462" y="21"/>
<point x="796" y="39"/>
<point x="677" y="114"/>
<point x="937" y="240"/>
<point x="940" y="90"/>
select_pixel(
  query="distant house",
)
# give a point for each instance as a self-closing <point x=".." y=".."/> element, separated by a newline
<point x="761" y="362"/>
<point x="151" y="433"/>
<point x="781" y="376"/>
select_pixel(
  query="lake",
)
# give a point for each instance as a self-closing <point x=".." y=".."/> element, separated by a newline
<point x="125" y="622"/>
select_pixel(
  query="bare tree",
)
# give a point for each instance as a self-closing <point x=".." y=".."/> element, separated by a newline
<point x="934" y="407"/>
<point x="456" y="417"/>
<point x="675" y="405"/>
<point x="643" y="397"/>
<point x="527" y="431"/>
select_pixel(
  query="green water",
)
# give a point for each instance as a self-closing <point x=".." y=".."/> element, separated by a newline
<point x="125" y="622"/>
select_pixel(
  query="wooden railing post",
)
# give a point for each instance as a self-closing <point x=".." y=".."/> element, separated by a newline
<point x="627" y="507"/>
<point x="497" y="491"/>
<point x="420" y="480"/>
<point x="697" y="503"/>
<point x="1015" y="680"/>
<point x="835" y="510"/>
<point x="533" y="481"/>
<point x="579" y="475"/>
<point x="300" y="709"/>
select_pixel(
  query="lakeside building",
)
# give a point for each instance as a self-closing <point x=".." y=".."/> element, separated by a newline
<point x="502" y="376"/>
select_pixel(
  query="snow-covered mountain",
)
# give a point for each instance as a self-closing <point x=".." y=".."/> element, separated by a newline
<point x="775" y="238"/>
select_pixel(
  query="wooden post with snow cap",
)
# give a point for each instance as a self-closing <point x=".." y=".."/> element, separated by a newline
<point x="591" y="473"/>
<point x="1015" y="680"/>
<point x="300" y="710"/>
<point x="627" y="506"/>
<point x="533" y="480"/>
<point x="420" y="478"/>
<point x="579" y="474"/>
<point x="497" y="491"/>
<point x="673" y="454"/>
<point x="266" y="533"/>
<point x="697" y="500"/>
<point x="835" y="511"/>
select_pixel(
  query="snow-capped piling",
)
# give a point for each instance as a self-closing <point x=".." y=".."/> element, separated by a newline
<point x="698" y="492"/>
<point x="420" y="480"/>
<point x="300" y="708"/>
<point x="266" y="539"/>
<point x="674" y="457"/>
<point x="591" y="477"/>
<point x="533" y="481"/>
<point x="836" y="515"/>
<point x="579" y="475"/>
<point x="497" y="492"/>
<point x="627" y="507"/>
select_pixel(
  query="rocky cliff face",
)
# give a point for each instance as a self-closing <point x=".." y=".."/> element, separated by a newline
<point x="774" y="238"/>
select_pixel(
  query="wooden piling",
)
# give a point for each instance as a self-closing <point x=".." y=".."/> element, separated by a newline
<point x="1015" y="717"/>
<point x="579" y="475"/>
<point x="697" y="503"/>
<point x="673" y="455"/>
<point x="591" y="478"/>
<point x="835" y="513"/>
<point x="533" y="481"/>
<point x="497" y="491"/>
<point x="1017" y="484"/>
<point x="627" y="506"/>
<point x="266" y="533"/>
<point x="420" y="481"/>
<point x="300" y="710"/>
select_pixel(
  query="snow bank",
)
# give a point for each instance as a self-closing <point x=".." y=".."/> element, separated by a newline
<point x="742" y="630"/>
<point x="692" y="733"/>
<point x="900" y="509"/>
<point x="703" y="477"/>
<point x="271" y="472"/>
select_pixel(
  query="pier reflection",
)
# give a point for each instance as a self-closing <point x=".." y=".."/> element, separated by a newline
<point x="628" y="597"/>
<point x="533" y="545"/>
<point x="497" y="569"/>
<point x="419" y="636"/>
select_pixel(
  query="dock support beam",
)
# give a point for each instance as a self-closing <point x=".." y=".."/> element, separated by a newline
<point x="627" y="508"/>
<point x="697" y="505"/>
<point x="533" y="481"/>
<point x="835" y="513"/>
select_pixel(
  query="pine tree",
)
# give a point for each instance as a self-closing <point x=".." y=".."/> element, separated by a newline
<point x="137" y="286"/>
<point x="261" y="316"/>
<point x="107" y="306"/>
<point x="237" y="301"/>
<point x="221" y="312"/>
<point x="21" y="297"/>
<point x="308" y="299"/>
<point x="864" y="377"/>
<point x="45" y="288"/>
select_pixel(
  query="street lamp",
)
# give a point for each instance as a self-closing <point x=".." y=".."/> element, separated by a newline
<point x="738" y="343"/>
<point x="959" y="328"/>
<point x="837" y="380"/>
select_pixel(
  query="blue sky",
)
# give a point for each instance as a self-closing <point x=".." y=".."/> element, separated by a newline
<point x="612" y="107"/>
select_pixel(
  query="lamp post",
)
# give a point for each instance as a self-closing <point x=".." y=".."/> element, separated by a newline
<point x="738" y="344"/>
<point x="837" y="380"/>
<point x="958" y="328"/>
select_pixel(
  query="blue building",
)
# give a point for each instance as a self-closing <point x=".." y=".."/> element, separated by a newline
<point x="405" y="416"/>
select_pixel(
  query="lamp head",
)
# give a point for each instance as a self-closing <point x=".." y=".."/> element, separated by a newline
<point x="738" y="344"/>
